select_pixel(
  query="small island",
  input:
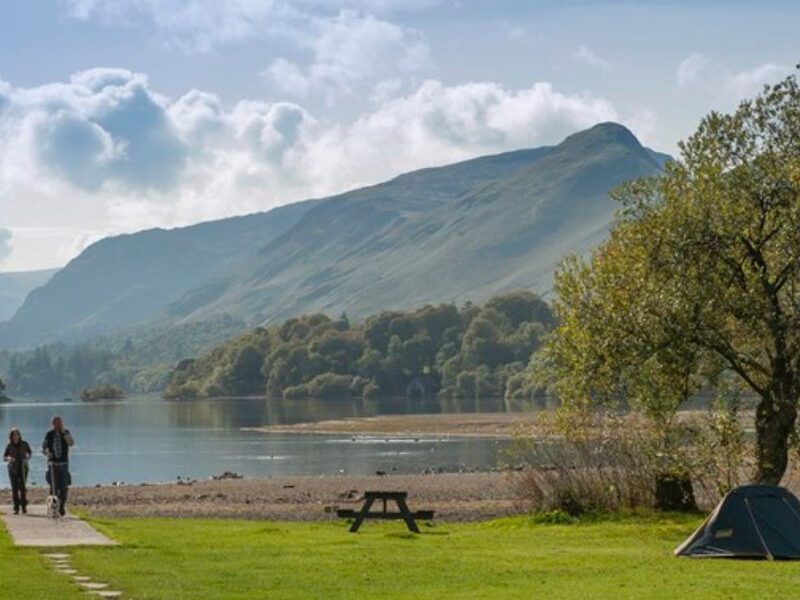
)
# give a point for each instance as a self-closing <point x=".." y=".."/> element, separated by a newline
<point x="3" y="397"/>
<point x="103" y="392"/>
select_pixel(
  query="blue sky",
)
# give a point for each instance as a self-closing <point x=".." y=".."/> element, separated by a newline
<point x="117" y="115"/>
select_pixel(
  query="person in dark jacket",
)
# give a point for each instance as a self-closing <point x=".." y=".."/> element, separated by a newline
<point x="17" y="454"/>
<point x="56" y="445"/>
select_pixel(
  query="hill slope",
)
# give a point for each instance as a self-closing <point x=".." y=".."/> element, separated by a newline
<point x="460" y="232"/>
<point x="14" y="287"/>
<point x="369" y="251"/>
<point x="131" y="279"/>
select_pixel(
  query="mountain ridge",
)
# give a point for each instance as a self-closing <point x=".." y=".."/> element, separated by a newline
<point x="459" y="232"/>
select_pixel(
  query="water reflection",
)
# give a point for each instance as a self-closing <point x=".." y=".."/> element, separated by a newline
<point x="148" y="439"/>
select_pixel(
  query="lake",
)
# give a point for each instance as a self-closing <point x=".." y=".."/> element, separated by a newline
<point x="147" y="439"/>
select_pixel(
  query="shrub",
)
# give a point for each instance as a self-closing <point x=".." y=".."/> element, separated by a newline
<point x="579" y="478"/>
<point x="371" y="391"/>
<point x="295" y="392"/>
<point x="330" y="385"/>
<point x="103" y="392"/>
<point x="617" y="462"/>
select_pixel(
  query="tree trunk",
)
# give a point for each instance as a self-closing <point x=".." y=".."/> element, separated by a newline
<point x="775" y="421"/>
<point x="674" y="492"/>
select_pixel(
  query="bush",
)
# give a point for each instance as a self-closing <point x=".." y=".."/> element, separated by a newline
<point x="357" y="386"/>
<point x="371" y="391"/>
<point x="295" y="392"/>
<point x="330" y="385"/>
<point x="103" y="392"/>
<point x="576" y="479"/>
<point x="629" y="462"/>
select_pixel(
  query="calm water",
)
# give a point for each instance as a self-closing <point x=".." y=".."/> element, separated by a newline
<point x="145" y="439"/>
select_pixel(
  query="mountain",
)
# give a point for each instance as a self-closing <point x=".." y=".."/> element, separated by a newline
<point x="130" y="279"/>
<point x="422" y="238"/>
<point x="460" y="232"/>
<point x="14" y="287"/>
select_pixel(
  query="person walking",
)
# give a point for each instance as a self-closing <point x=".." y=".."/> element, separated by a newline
<point x="56" y="445"/>
<point x="16" y="456"/>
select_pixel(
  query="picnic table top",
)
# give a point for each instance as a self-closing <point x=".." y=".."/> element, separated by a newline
<point x="386" y="495"/>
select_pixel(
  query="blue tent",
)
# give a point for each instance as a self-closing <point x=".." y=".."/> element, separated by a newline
<point x="752" y="521"/>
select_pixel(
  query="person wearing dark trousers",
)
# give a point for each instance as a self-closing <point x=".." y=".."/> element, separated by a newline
<point x="17" y="454"/>
<point x="56" y="445"/>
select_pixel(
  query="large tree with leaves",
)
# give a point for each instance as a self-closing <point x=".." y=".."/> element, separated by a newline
<point x="700" y="278"/>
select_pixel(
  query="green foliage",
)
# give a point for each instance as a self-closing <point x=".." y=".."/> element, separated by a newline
<point x="461" y="353"/>
<point x="140" y="361"/>
<point x="103" y="392"/>
<point x="699" y="280"/>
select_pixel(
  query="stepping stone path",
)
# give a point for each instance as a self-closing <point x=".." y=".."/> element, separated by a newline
<point x="61" y="564"/>
<point x="94" y="586"/>
<point x="36" y="529"/>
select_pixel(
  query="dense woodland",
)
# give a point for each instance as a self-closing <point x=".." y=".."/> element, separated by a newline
<point x="472" y="351"/>
<point x="140" y="361"/>
<point x="468" y="352"/>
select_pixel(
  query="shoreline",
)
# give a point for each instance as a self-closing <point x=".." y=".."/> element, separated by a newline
<point x="456" y="497"/>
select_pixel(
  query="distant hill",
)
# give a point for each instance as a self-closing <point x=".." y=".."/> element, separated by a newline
<point x="461" y="232"/>
<point x="130" y="279"/>
<point x="14" y="287"/>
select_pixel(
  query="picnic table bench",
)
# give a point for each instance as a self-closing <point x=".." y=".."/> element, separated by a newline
<point x="403" y="513"/>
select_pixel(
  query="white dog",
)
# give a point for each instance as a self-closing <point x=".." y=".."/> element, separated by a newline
<point x="53" y="506"/>
<point x="53" y="502"/>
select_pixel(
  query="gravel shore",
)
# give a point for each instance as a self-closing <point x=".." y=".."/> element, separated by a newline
<point x="455" y="497"/>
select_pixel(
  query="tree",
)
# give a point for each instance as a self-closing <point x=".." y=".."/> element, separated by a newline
<point x="700" y="278"/>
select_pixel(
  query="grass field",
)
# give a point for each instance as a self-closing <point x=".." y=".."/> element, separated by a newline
<point x="26" y="574"/>
<point x="511" y="558"/>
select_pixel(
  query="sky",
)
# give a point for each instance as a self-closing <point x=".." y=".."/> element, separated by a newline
<point x="122" y="115"/>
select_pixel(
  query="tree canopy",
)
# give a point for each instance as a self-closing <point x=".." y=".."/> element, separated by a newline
<point x="699" y="280"/>
<point x="469" y="352"/>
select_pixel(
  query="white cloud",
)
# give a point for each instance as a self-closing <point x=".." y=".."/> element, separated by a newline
<point x="196" y="26"/>
<point x="105" y="153"/>
<point x="691" y="68"/>
<point x="585" y="55"/>
<point x="438" y="124"/>
<point x="203" y="25"/>
<point x="515" y="33"/>
<point x="349" y="52"/>
<point x="723" y="84"/>
<point x="750" y="82"/>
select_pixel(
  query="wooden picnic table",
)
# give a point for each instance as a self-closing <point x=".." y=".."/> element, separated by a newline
<point x="399" y="498"/>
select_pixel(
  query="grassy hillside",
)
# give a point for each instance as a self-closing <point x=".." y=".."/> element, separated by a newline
<point x="390" y="248"/>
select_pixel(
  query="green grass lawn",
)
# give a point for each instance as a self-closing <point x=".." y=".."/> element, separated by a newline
<point x="26" y="574"/>
<point x="510" y="558"/>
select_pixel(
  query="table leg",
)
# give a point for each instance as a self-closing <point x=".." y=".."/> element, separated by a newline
<point x="361" y="515"/>
<point x="410" y="522"/>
